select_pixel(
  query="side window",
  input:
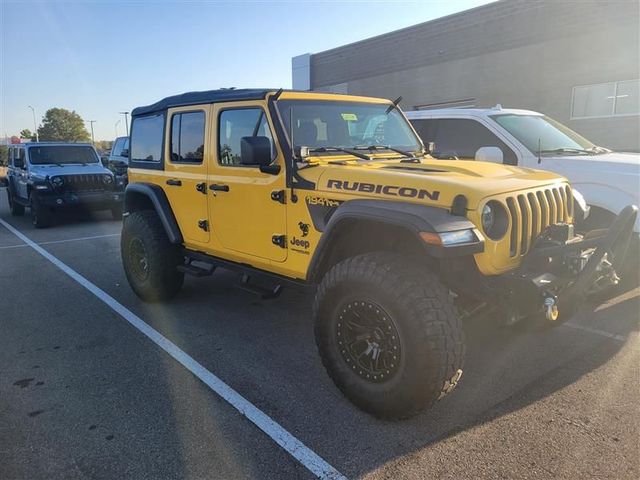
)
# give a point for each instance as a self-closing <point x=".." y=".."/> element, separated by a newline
<point x="424" y="127"/>
<point x="19" y="153"/>
<point x="187" y="137"/>
<point x="462" y="138"/>
<point x="118" y="147"/>
<point x="146" y="138"/>
<point x="235" y="124"/>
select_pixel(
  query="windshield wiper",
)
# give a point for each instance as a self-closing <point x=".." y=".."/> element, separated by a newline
<point x="599" y="150"/>
<point x="568" y="150"/>
<point x="340" y="149"/>
<point x="51" y="163"/>
<point x="404" y="153"/>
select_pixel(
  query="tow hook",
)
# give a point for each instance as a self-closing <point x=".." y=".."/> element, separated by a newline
<point x="551" y="309"/>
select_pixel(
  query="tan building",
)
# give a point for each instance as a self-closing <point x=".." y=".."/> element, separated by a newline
<point x="576" y="61"/>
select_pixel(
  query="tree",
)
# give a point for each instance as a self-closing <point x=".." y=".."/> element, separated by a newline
<point x="4" y="150"/>
<point x="60" y="125"/>
<point x="27" y="135"/>
<point x="103" y="145"/>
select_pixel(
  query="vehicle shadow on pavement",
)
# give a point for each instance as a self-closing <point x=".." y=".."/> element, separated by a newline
<point x="266" y="350"/>
<point x="61" y="219"/>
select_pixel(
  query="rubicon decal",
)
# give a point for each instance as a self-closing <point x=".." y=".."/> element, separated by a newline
<point x="394" y="190"/>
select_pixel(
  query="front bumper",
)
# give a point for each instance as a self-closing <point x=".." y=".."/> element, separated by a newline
<point x="562" y="268"/>
<point x="90" y="200"/>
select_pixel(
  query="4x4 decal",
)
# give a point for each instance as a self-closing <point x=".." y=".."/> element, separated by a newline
<point x="394" y="190"/>
<point x="320" y="210"/>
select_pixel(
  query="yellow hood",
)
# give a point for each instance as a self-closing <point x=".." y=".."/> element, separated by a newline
<point x="433" y="182"/>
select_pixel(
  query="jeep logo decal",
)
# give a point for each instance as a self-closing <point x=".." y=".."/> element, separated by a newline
<point x="300" y="243"/>
<point x="407" y="192"/>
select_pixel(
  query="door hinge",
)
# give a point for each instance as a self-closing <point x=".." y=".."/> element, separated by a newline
<point x="201" y="187"/>
<point x="279" y="196"/>
<point x="204" y="225"/>
<point x="279" y="240"/>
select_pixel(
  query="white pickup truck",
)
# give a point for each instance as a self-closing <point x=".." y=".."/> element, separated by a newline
<point x="608" y="180"/>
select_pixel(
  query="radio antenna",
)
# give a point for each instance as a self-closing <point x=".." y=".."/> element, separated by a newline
<point x="393" y="105"/>
<point x="539" y="148"/>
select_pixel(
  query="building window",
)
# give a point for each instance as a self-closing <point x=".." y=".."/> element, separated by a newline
<point x="187" y="137"/>
<point x="628" y="98"/>
<point x="606" y="99"/>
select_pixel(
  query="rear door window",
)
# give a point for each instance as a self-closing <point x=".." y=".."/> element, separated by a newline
<point x="187" y="137"/>
<point x="146" y="138"/>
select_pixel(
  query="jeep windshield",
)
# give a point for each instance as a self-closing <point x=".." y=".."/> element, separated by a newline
<point x="62" y="154"/>
<point x="543" y="134"/>
<point x="333" y="127"/>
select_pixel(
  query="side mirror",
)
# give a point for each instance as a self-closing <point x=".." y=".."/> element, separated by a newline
<point x="18" y="162"/>
<point x="489" y="154"/>
<point x="124" y="153"/>
<point x="255" y="151"/>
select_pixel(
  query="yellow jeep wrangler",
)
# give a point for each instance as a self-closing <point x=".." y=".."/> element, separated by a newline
<point x="337" y="193"/>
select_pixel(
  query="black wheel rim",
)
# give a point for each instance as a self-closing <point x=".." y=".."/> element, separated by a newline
<point x="138" y="261"/>
<point x="368" y="341"/>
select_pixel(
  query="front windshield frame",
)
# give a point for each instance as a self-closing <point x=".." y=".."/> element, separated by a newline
<point x="414" y="143"/>
<point x="34" y="160"/>
<point x="580" y="143"/>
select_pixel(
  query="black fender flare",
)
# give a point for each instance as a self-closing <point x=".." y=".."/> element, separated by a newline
<point x="415" y="218"/>
<point x="160" y="204"/>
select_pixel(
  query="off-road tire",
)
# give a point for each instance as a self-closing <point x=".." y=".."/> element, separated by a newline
<point x="40" y="214"/>
<point x="15" y="208"/>
<point x="161" y="280"/>
<point x="428" y="326"/>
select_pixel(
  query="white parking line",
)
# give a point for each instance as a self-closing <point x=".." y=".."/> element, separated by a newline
<point x="307" y="457"/>
<point x="62" y="241"/>
<point x="595" y="331"/>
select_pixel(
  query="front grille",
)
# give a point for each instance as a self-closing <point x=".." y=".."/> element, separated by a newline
<point x="532" y="212"/>
<point x="84" y="183"/>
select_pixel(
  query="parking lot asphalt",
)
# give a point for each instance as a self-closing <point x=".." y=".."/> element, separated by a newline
<point x="83" y="394"/>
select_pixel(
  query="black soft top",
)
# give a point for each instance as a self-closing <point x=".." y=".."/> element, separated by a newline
<point x="209" y="96"/>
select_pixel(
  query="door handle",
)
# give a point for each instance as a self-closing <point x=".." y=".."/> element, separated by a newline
<point x="174" y="183"/>
<point x="219" y="188"/>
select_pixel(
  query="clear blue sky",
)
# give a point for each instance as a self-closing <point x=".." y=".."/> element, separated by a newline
<point x="99" y="58"/>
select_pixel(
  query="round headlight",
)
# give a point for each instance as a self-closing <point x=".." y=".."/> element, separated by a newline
<point x="488" y="217"/>
<point x="57" y="182"/>
<point x="108" y="179"/>
<point x="495" y="220"/>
